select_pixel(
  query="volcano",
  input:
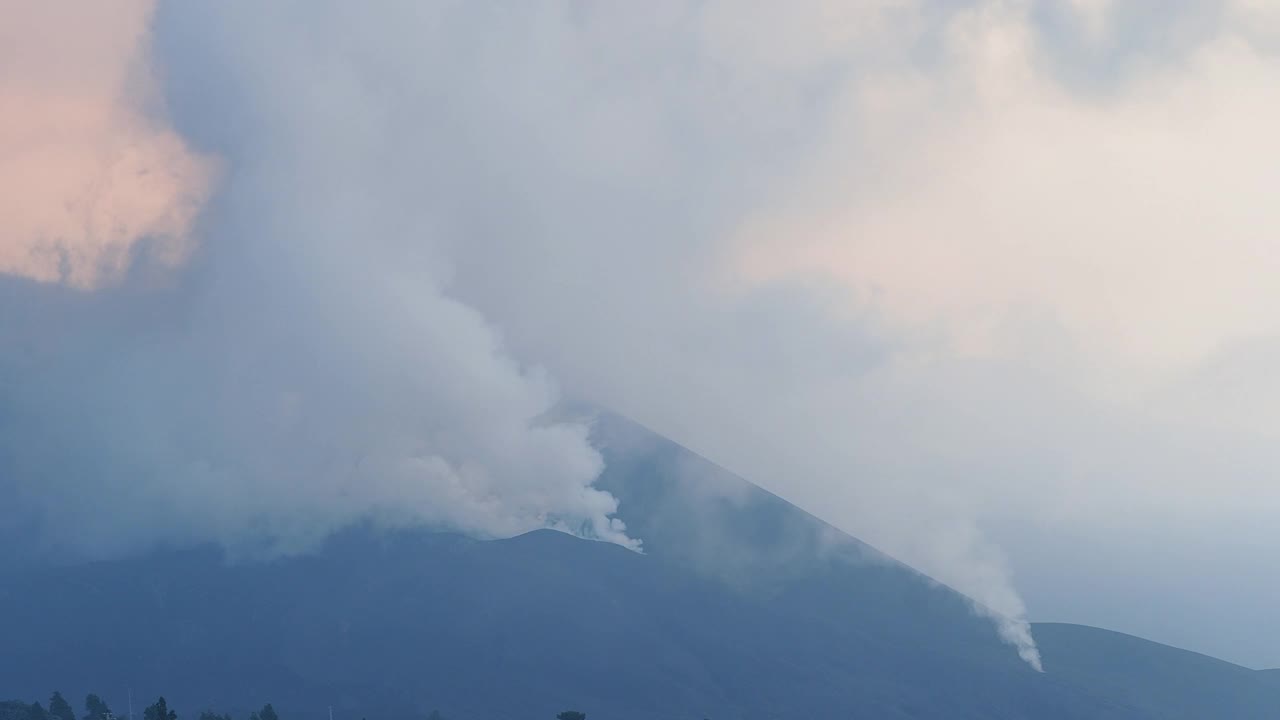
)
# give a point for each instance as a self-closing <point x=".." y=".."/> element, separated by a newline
<point x="740" y="606"/>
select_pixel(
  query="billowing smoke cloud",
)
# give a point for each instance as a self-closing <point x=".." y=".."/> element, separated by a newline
<point x="917" y="267"/>
<point x="88" y="169"/>
<point x="305" y="370"/>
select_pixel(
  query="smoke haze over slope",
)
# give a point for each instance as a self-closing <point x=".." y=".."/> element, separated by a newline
<point x="934" y="272"/>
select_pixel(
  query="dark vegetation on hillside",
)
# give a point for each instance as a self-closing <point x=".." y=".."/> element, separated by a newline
<point x="96" y="709"/>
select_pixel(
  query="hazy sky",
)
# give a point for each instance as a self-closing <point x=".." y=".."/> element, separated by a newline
<point x="990" y="285"/>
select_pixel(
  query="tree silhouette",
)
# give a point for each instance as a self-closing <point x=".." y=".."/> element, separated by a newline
<point x="95" y="708"/>
<point x="60" y="709"/>
<point x="18" y="710"/>
<point x="266" y="713"/>
<point x="159" y="710"/>
<point x="571" y="715"/>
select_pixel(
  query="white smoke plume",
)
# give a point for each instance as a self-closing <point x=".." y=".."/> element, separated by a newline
<point x="919" y="267"/>
<point x="304" y="370"/>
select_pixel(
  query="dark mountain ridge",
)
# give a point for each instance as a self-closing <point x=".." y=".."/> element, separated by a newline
<point x="742" y="606"/>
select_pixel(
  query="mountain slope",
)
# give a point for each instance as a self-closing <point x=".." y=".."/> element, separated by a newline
<point x="1163" y="681"/>
<point x="504" y="629"/>
<point x="708" y="518"/>
<point x="743" y="606"/>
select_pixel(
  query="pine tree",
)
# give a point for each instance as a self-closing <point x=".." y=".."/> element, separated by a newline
<point x="60" y="709"/>
<point x="95" y="708"/>
<point x="159" y="711"/>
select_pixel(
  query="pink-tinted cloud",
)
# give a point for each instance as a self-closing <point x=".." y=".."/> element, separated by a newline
<point x="86" y="167"/>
